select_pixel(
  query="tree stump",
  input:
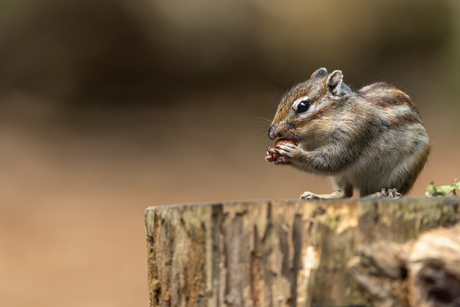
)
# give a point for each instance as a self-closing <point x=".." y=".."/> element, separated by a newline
<point x="278" y="253"/>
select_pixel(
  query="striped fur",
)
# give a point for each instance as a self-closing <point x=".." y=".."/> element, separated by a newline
<point x="367" y="140"/>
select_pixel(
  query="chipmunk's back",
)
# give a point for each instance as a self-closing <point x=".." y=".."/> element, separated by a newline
<point x="386" y="95"/>
<point x="396" y="107"/>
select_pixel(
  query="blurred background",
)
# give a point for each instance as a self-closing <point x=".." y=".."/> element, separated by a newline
<point x="108" y="107"/>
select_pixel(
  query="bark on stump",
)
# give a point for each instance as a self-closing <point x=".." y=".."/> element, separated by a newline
<point x="276" y="253"/>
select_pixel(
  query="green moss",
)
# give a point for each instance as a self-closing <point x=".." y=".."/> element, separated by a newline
<point x="443" y="190"/>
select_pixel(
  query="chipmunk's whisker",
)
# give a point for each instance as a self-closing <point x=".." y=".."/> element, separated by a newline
<point x="274" y="88"/>
<point x="275" y="103"/>
<point x="262" y="119"/>
<point x="263" y="131"/>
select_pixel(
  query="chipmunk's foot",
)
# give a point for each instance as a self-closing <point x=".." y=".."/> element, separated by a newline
<point x="390" y="193"/>
<point x="311" y="196"/>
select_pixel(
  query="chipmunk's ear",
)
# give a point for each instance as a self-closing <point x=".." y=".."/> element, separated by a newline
<point x="334" y="82"/>
<point x="319" y="73"/>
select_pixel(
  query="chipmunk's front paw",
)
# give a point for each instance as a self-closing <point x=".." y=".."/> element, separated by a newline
<point x="282" y="160"/>
<point x="289" y="151"/>
<point x="276" y="158"/>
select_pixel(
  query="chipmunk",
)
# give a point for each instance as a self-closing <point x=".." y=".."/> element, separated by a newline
<point x="371" y="139"/>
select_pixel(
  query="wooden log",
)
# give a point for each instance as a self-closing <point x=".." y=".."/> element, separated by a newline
<point x="421" y="273"/>
<point x="276" y="253"/>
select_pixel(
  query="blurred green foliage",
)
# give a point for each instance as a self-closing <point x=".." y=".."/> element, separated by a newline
<point x="443" y="190"/>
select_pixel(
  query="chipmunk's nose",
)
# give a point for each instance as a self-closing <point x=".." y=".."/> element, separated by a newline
<point x="272" y="132"/>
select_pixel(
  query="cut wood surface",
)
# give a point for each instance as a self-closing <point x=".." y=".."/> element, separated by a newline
<point x="276" y="253"/>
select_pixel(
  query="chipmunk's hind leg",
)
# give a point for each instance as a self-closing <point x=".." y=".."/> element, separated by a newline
<point x="403" y="175"/>
<point x="394" y="190"/>
<point x="402" y="182"/>
<point x="402" y="178"/>
<point x="342" y="188"/>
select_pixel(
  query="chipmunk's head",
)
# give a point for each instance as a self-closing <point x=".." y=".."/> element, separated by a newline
<point x="307" y="104"/>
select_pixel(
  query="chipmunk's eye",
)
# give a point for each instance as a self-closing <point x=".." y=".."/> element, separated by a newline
<point x="303" y="106"/>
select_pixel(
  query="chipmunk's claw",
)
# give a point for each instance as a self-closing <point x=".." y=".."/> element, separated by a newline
<point x="389" y="193"/>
